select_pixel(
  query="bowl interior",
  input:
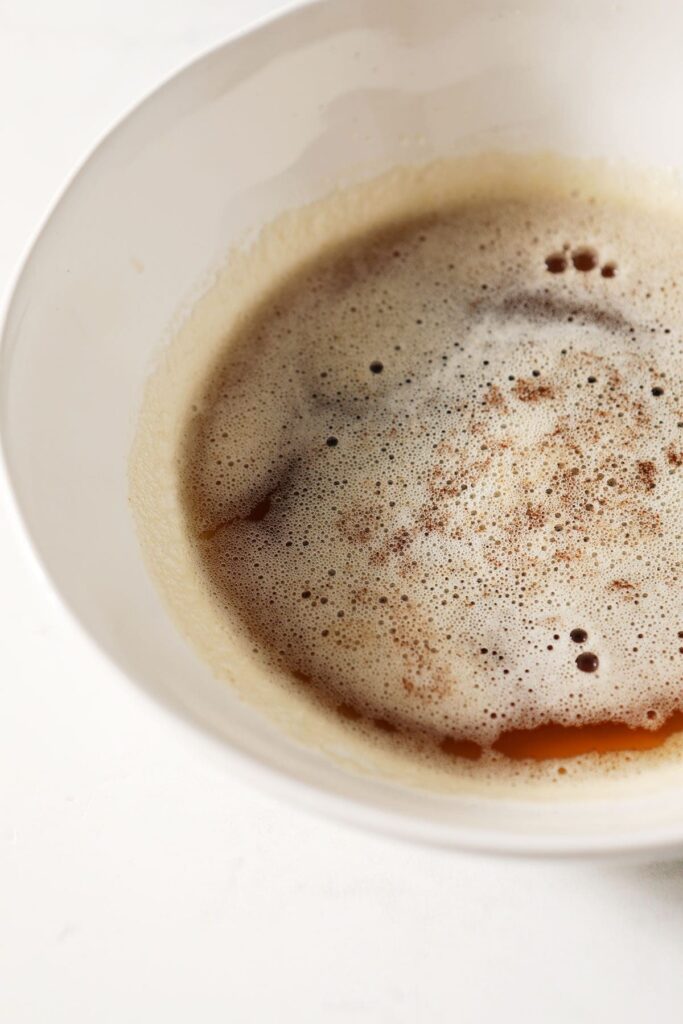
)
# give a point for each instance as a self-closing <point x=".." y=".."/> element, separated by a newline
<point x="331" y="92"/>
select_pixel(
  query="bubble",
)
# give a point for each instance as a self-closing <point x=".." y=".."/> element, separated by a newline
<point x="587" y="662"/>
<point x="556" y="263"/>
<point x="584" y="259"/>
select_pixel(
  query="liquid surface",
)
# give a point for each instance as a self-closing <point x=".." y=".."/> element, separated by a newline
<point x="437" y="475"/>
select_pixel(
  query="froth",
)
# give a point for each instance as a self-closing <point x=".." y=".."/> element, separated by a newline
<point x="436" y="475"/>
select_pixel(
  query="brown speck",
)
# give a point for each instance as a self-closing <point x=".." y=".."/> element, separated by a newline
<point x="432" y="520"/>
<point x="674" y="456"/>
<point x="399" y="541"/>
<point x="536" y="515"/>
<point x="532" y="390"/>
<point x="358" y="525"/>
<point x="494" y="398"/>
<point x="648" y="522"/>
<point x="568" y="555"/>
<point x="556" y="263"/>
<point x="584" y="259"/>
<point x="647" y="474"/>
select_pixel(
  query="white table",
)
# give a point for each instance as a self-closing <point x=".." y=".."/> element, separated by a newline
<point x="139" y="883"/>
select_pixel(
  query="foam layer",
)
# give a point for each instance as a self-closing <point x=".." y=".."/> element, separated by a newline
<point x="436" y="474"/>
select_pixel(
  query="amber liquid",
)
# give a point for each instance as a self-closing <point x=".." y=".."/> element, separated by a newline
<point x="554" y="741"/>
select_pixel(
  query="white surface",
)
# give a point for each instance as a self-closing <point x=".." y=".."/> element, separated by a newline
<point x="137" y="882"/>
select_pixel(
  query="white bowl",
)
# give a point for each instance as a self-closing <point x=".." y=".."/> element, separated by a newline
<point x="340" y="90"/>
